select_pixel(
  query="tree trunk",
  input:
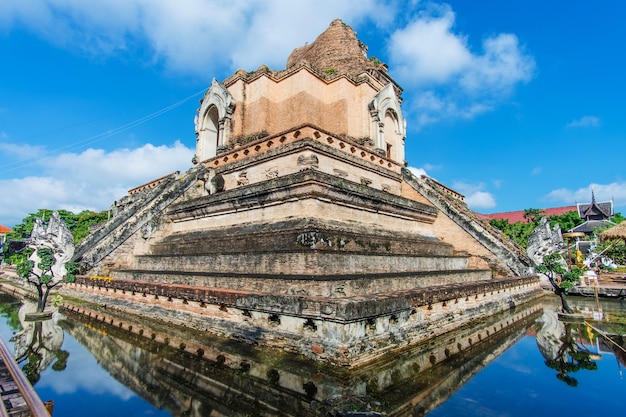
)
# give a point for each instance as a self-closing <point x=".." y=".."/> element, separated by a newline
<point x="44" y="299"/>
<point x="41" y="299"/>
<point x="562" y="295"/>
<point x="564" y="305"/>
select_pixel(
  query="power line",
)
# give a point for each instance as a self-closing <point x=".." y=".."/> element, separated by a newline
<point x="96" y="138"/>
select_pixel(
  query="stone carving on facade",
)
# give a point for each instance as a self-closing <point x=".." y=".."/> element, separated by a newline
<point x="120" y="206"/>
<point x="308" y="161"/>
<point x="365" y="141"/>
<point x="243" y="178"/>
<point x="271" y="173"/>
<point x="54" y="235"/>
<point x="148" y="229"/>
<point x="340" y="173"/>
<point x="544" y="241"/>
<point x="222" y="148"/>
<point x="213" y="182"/>
<point x="382" y="106"/>
<point x="213" y="121"/>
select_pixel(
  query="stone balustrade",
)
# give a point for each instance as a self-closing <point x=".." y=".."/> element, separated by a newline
<point x="305" y="131"/>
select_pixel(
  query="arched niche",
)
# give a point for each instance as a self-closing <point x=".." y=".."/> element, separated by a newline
<point x="387" y="124"/>
<point x="213" y="120"/>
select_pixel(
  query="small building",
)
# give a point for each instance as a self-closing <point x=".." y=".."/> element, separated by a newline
<point x="3" y="236"/>
<point x="597" y="216"/>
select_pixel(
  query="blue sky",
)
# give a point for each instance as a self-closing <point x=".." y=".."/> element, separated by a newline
<point x="516" y="104"/>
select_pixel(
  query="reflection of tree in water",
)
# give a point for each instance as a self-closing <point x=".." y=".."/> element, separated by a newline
<point x="571" y="358"/>
<point x="557" y="343"/>
<point x="9" y="309"/>
<point x="38" y="344"/>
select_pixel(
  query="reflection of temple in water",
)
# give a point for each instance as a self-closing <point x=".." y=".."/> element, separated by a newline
<point x="193" y="373"/>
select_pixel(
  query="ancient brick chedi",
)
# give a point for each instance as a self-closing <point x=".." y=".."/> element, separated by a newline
<point x="299" y="225"/>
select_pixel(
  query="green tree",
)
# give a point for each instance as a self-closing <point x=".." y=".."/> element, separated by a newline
<point x="84" y="221"/>
<point x="518" y="231"/>
<point x="567" y="221"/>
<point x="23" y="230"/>
<point x="534" y="215"/>
<point x="561" y="279"/>
<point x="9" y="310"/>
<point x="571" y="357"/>
<point x="78" y="224"/>
<point x="618" y="218"/>
<point x="42" y="277"/>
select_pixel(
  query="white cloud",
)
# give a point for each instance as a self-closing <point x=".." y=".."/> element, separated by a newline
<point x="83" y="373"/>
<point x="418" y="172"/>
<point x="603" y="192"/>
<point x="18" y="153"/>
<point x="536" y="171"/>
<point x="431" y="167"/>
<point x="189" y="36"/>
<point x="475" y="196"/>
<point x="426" y="50"/>
<point x="209" y="37"/>
<point x="451" y="81"/>
<point x="91" y="180"/>
<point x="502" y="66"/>
<point x="585" y="121"/>
<point x="480" y="200"/>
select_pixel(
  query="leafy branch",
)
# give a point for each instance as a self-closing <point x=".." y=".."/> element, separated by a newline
<point x="42" y="277"/>
<point x="561" y="278"/>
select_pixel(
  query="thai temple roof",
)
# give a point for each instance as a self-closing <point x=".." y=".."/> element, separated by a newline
<point x="590" y="226"/>
<point x="595" y="209"/>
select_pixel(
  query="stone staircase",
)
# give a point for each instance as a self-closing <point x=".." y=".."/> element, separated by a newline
<point x="506" y="251"/>
<point x="134" y="212"/>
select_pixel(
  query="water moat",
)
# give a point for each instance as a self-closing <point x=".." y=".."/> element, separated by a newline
<point x="524" y="360"/>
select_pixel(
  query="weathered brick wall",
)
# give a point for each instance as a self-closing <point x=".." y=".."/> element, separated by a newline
<point x="342" y="309"/>
<point x="275" y="104"/>
<point x="308" y="154"/>
<point x="325" y="286"/>
<point x="337" y="48"/>
<point x="345" y="332"/>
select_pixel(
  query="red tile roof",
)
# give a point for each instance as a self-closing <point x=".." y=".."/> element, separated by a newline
<point x="4" y="230"/>
<point x="518" y="216"/>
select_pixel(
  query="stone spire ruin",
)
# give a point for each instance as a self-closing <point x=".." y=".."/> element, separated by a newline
<point x="299" y="225"/>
